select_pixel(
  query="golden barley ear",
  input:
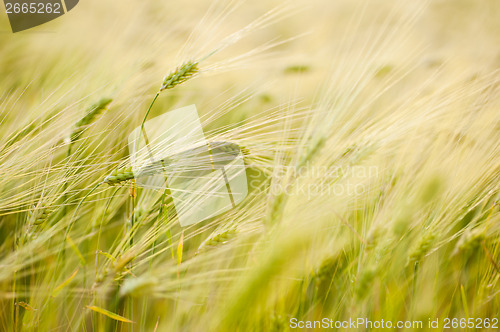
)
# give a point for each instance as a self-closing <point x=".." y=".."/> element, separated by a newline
<point x="470" y="241"/>
<point x="180" y="75"/>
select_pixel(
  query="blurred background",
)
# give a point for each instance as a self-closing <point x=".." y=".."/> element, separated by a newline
<point x="412" y="86"/>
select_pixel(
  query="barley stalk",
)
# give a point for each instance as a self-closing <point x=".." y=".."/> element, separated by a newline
<point x="41" y="215"/>
<point x="470" y="241"/>
<point x="364" y="282"/>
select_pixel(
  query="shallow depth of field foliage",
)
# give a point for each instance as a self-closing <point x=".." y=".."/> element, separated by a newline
<point x="371" y="137"/>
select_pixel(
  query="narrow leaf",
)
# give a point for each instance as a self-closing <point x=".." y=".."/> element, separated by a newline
<point x="65" y="283"/>
<point x="105" y="254"/>
<point x="169" y="237"/>
<point x="110" y="314"/>
<point x="75" y="249"/>
<point x="179" y="249"/>
<point x="464" y="301"/>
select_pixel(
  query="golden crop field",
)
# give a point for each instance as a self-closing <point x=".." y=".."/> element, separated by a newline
<point x="255" y="165"/>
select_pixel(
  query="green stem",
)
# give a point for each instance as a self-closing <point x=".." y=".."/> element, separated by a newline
<point x="131" y="243"/>
<point x="149" y="110"/>
<point x="65" y="187"/>
<point x="146" y="140"/>
<point x="132" y="209"/>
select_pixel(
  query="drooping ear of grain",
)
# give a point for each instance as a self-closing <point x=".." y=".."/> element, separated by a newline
<point x="276" y="208"/>
<point x="311" y="151"/>
<point x="94" y="111"/>
<point x="42" y="215"/>
<point x="119" y="175"/>
<point x="470" y="241"/>
<point x="364" y="282"/>
<point x="218" y="238"/>
<point x="422" y="248"/>
<point x="180" y="75"/>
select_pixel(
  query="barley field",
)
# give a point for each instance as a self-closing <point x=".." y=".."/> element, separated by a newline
<point x="368" y="133"/>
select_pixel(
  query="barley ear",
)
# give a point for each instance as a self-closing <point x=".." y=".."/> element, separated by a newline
<point x="470" y="241"/>
<point x="119" y="175"/>
<point x="218" y="238"/>
<point x="91" y="115"/>
<point x="311" y="151"/>
<point x="42" y="215"/>
<point x="422" y="248"/>
<point x="276" y="208"/>
<point x="328" y="268"/>
<point x="180" y="75"/>
<point x="364" y="282"/>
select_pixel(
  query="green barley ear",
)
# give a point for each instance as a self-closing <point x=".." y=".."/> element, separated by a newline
<point x="329" y="267"/>
<point x="311" y="151"/>
<point x="276" y="208"/>
<point x="277" y="323"/>
<point x="364" y="282"/>
<point x="326" y="268"/>
<point x="119" y="175"/>
<point x="422" y="248"/>
<point x="470" y="241"/>
<point x="219" y="238"/>
<point x="40" y="214"/>
<point x="431" y="189"/>
<point x="373" y="238"/>
<point x="91" y="115"/>
<point x="180" y="75"/>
